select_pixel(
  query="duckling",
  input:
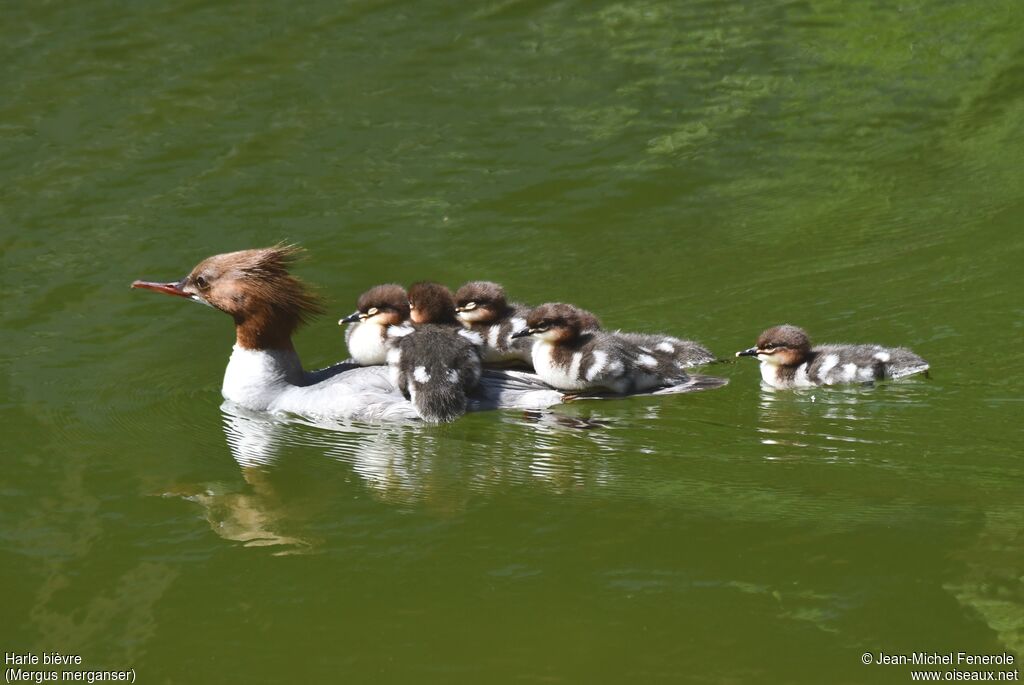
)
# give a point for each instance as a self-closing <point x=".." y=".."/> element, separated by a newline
<point x="434" y="362"/>
<point x="569" y="354"/>
<point x="481" y="306"/>
<point x="377" y="309"/>
<point x="789" y="361"/>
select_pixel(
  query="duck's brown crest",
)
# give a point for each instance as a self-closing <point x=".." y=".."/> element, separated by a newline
<point x="265" y="273"/>
<point x="269" y="274"/>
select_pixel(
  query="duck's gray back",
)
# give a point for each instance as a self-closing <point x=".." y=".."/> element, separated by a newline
<point x="666" y="348"/>
<point x="837" y="363"/>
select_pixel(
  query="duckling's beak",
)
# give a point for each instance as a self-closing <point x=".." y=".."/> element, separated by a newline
<point x="177" y="288"/>
<point x="351" y="318"/>
<point x="523" y="333"/>
<point x="749" y="352"/>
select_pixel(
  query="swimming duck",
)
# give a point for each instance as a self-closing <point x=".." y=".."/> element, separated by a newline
<point x="434" y="361"/>
<point x="264" y="372"/>
<point x="482" y="307"/>
<point x="377" y="309"/>
<point x="570" y="355"/>
<point x="789" y="361"/>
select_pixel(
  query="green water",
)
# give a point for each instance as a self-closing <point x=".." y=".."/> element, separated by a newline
<point x="704" y="169"/>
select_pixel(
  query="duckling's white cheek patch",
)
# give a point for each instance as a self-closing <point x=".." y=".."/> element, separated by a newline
<point x="549" y="335"/>
<point x="471" y="316"/>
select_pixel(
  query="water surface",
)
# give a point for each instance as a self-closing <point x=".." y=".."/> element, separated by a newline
<point x="702" y="169"/>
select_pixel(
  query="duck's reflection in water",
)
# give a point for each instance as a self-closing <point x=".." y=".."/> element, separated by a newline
<point x="439" y="468"/>
<point x="253" y="516"/>
<point x="831" y="423"/>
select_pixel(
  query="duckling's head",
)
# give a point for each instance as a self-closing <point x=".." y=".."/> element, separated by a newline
<point x="383" y="305"/>
<point x="783" y="345"/>
<point x="431" y="302"/>
<point x="557" y="322"/>
<point x="480" y="302"/>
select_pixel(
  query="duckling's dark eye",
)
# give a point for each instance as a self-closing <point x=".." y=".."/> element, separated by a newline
<point x="201" y="283"/>
<point x="769" y="347"/>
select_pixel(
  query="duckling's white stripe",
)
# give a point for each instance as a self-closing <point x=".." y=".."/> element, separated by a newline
<point x="600" y="359"/>
<point x="646" y="360"/>
<point x="421" y="375"/>
<point x="830" y="363"/>
<point x="394" y="356"/>
<point x="472" y="336"/>
<point x="400" y="331"/>
<point x="800" y="377"/>
<point x="453" y="376"/>
<point x="574" y="366"/>
<point x="882" y="356"/>
<point x="849" y="371"/>
<point x="666" y="347"/>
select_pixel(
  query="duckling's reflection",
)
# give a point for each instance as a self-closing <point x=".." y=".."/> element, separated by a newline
<point x="404" y="464"/>
<point x="823" y="422"/>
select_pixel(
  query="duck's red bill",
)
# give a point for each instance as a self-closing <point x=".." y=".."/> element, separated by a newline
<point x="165" y="288"/>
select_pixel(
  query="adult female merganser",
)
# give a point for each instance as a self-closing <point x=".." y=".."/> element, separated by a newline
<point x="570" y="356"/>
<point x="264" y="372"/>
<point x="377" y="309"/>
<point x="434" y="362"/>
<point x="789" y="361"/>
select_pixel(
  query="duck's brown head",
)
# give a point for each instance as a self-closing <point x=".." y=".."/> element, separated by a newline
<point x="783" y="345"/>
<point x="266" y="302"/>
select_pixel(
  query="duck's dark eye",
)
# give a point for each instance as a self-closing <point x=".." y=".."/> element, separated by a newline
<point x="201" y="283"/>
<point x="769" y="347"/>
